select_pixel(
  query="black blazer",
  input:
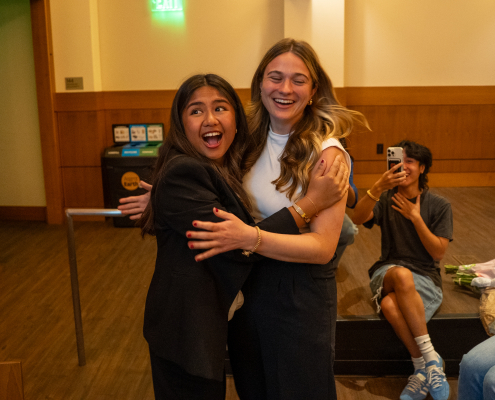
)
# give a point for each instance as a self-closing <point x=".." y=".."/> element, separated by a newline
<point x="187" y="305"/>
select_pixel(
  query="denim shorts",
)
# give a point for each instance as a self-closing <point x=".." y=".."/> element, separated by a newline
<point x="431" y="294"/>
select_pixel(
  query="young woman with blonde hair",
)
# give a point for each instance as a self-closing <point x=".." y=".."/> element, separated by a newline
<point x="281" y="342"/>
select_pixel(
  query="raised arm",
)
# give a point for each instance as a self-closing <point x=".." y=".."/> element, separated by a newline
<point x="135" y="205"/>
<point x="364" y="208"/>
<point x="317" y="246"/>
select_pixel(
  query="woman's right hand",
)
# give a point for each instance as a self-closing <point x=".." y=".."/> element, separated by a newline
<point x="389" y="179"/>
<point x="328" y="184"/>
<point x="219" y="237"/>
<point x="135" y="205"/>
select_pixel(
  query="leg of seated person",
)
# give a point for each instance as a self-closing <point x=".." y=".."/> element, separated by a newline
<point x="404" y="309"/>
<point x="477" y="372"/>
<point x="401" y="282"/>
<point x="394" y="316"/>
<point x="346" y="238"/>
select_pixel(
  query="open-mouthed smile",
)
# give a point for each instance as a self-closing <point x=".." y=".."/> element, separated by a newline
<point x="212" y="139"/>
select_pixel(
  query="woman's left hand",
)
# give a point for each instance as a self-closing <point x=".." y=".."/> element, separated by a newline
<point x="220" y="237"/>
<point x="328" y="185"/>
<point x="405" y="207"/>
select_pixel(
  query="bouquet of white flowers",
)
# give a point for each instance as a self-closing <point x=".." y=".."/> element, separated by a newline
<point x="480" y="278"/>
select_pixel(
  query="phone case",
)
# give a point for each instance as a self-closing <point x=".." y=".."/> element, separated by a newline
<point x="394" y="157"/>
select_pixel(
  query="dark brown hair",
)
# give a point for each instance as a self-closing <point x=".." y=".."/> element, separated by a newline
<point x="177" y="139"/>
<point x="420" y="153"/>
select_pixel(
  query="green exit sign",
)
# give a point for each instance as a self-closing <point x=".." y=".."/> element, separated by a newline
<point x="166" y="5"/>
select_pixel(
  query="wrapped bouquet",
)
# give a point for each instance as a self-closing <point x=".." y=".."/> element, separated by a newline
<point x="480" y="278"/>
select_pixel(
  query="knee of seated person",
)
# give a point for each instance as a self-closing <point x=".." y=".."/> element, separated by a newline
<point x="388" y="307"/>
<point x="403" y="279"/>
<point x="468" y="365"/>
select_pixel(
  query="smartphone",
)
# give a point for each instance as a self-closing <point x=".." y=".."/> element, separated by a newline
<point x="394" y="157"/>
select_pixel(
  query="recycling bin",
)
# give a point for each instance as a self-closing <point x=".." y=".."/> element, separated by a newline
<point x="123" y="166"/>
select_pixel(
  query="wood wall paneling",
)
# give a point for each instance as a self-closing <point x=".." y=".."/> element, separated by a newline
<point x="451" y="132"/>
<point x="82" y="138"/>
<point x="439" y="166"/>
<point x="420" y="95"/>
<point x="79" y="101"/>
<point x="45" y="89"/>
<point x="456" y="123"/>
<point x="139" y="99"/>
<point x="83" y="187"/>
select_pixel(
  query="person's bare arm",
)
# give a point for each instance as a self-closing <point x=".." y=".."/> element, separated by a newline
<point x="317" y="246"/>
<point x="364" y="208"/>
<point x="327" y="186"/>
<point x="351" y="197"/>
<point x="435" y="245"/>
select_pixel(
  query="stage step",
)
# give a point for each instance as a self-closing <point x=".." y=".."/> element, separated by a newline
<point x="367" y="345"/>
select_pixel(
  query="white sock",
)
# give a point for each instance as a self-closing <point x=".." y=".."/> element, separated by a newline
<point x="426" y="348"/>
<point x="419" y="363"/>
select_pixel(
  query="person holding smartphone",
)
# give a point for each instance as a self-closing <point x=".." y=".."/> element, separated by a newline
<point x="416" y="228"/>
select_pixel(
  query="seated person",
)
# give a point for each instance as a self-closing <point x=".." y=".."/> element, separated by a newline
<point x="416" y="228"/>
<point x="477" y="373"/>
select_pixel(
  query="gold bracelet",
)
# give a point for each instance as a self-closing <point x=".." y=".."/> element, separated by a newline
<point x="371" y="196"/>
<point x="313" y="205"/>
<point x="247" y="252"/>
<point x="301" y="213"/>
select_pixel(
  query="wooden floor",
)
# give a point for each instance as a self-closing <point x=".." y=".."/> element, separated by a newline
<point x="115" y="267"/>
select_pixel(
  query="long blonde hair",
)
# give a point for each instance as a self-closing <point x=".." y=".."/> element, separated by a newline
<point x="324" y="119"/>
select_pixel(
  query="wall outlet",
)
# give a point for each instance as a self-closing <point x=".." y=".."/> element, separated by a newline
<point x="379" y="148"/>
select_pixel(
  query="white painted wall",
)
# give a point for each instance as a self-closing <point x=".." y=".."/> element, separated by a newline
<point x="21" y="169"/>
<point x="419" y="43"/>
<point x="138" y="51"/>
<point x="75" y="38"/>
<point x="321" y="24"/>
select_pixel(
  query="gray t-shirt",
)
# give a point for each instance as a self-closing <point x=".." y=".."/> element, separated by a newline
<point x="401" y="244"/>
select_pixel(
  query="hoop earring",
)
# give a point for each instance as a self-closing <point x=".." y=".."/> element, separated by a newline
<point x="310" y="102"/>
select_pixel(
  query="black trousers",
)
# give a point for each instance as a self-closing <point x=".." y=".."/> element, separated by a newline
<point x="281" y="341"/>
<point x="171" y="382"/>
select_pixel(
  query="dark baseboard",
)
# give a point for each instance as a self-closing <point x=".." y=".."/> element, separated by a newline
<point x="22" y="213"/>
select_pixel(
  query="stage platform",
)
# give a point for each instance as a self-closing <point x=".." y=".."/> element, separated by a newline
<point x="365" y="342"/>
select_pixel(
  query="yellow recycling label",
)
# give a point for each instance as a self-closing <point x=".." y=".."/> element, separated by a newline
<point x="130" y="181"/>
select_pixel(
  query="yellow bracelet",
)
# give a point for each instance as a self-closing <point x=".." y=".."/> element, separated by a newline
<point x="371" y="196"/>
<point x="247" y="252"/>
